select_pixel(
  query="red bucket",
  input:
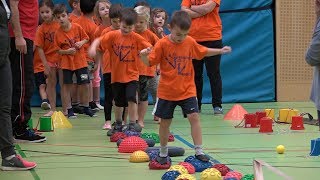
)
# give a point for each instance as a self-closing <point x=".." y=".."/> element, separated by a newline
<point x="250" y="120"/>
<point x="265" y="125"/>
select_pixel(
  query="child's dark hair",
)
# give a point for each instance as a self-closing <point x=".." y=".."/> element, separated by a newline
<point x="87" y="6"/>
<point x="128" y="16"/>
<point x="71" y="2"/>
<point x="59" y="9"/>
<point x="141" y="3"/>
<point x="115" y="11"/>
<point x="155" y="11"/>
<point x="48" y="3"/>
<point x="181" y="19"/>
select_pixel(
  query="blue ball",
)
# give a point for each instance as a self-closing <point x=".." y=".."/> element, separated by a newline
<point x="170" y="175"/>
<point x="198" y="165"/>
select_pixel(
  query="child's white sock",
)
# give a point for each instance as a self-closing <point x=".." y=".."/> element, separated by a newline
<point x="163" y="151"/>
<point x="198" y="149"/>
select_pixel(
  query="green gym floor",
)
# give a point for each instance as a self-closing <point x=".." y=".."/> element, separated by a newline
<point x="85" y="152"/>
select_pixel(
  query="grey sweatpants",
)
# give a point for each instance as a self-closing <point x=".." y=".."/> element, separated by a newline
<point x="6" y="136"/>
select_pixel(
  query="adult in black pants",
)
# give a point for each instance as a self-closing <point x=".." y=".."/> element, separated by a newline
<point x="10" y="160"/>
<point x="24" y="21"/>
<point x="206" y="29"/>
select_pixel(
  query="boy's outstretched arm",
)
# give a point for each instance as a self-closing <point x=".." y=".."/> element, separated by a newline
<point x="92" y="51"/>
<point x="216" y="51"/>
<point x="204" y="8"/>
<point x="144" y="55"/>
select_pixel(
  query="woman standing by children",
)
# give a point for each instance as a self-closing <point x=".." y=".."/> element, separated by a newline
<point x="206" y="29"/>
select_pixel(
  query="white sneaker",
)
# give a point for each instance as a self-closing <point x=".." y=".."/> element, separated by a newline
<point x="100" y="106"/>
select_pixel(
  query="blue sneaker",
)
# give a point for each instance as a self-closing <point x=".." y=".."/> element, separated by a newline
<point x="71" y="114"/>
<point x="217" y="111"/>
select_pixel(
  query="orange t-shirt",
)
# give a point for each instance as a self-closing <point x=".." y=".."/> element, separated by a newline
<point x="207" y="27"/>
<point x="177" y="74"/>
<point x="124" y="54"/>
<point x="105" y="63"/>
<point x="44" y="39"/>
<point x="152" y="39"/>
<point x="89" y="27"/>
<point x="37" y="63"/>
<point x="66" y="39"/>
<point x="73" y="17"/>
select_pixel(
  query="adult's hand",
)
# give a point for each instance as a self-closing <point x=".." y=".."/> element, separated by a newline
<point x="21" y="45"/>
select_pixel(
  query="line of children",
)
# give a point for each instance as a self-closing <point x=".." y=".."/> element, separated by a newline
<point x="174" y="53"/>
<point x="123" y="46"/>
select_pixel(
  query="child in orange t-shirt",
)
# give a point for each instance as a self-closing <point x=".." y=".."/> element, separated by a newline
<point x="69" y="41"/>
<point x="40" y="80"/>
<point x="46" y="50"/>
<point x="145" y="72"/>
<point x="101" y="11"/>
<point x="158" y="21"/>
<point x="123" y="46"/>
<point x="87" y="23"/>
<point x="114" y="19"/>
<point x="174" y="53"/>
<point x="76" y="11"/>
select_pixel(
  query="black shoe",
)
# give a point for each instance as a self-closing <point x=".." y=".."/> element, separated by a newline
<point x="77" y="109"/>
<point x="88" y="111"/>
<point x="202" y="157"/>
<point x="29" y="136"/>
<point x="94" y="106"/>
<point x="163" y="160"/>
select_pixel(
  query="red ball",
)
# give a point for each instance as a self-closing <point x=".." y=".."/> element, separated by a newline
<point x="188" y="166"/>
<point x="222" y="168"/>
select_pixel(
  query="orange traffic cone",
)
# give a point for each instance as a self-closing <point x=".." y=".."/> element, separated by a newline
<point x="237" y="112"/>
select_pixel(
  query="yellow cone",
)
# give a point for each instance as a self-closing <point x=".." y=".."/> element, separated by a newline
<point x="60" y="121"/>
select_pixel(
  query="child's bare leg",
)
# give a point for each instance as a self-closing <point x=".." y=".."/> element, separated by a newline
<point x="42" y="91"/>
<point x="66" y="88"/>
<point x="84" y="99"/>
<point x="132" y="111"/>
<point x="62" y="92"/>
<point x="164" y="131"/>
<point x="118" y="113"/>
<point x="51" y="90"/>
<point x="125" y="115"/>
<point x="196" y="134"/>
<point x="142" y="110"/>
<point x="75" y="94"/>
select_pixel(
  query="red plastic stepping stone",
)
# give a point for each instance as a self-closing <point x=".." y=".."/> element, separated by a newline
<point x="222" y="168"/>
<point x="131" y="144"/>
<point x="189" y="167"/>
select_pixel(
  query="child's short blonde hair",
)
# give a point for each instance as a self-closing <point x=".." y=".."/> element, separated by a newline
<point x="143" y="11"/>
<point x="96" y="7"/>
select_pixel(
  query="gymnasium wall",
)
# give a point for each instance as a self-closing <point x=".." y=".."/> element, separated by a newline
<point x="249" y="72"/>
<point x="295" y="21"/>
